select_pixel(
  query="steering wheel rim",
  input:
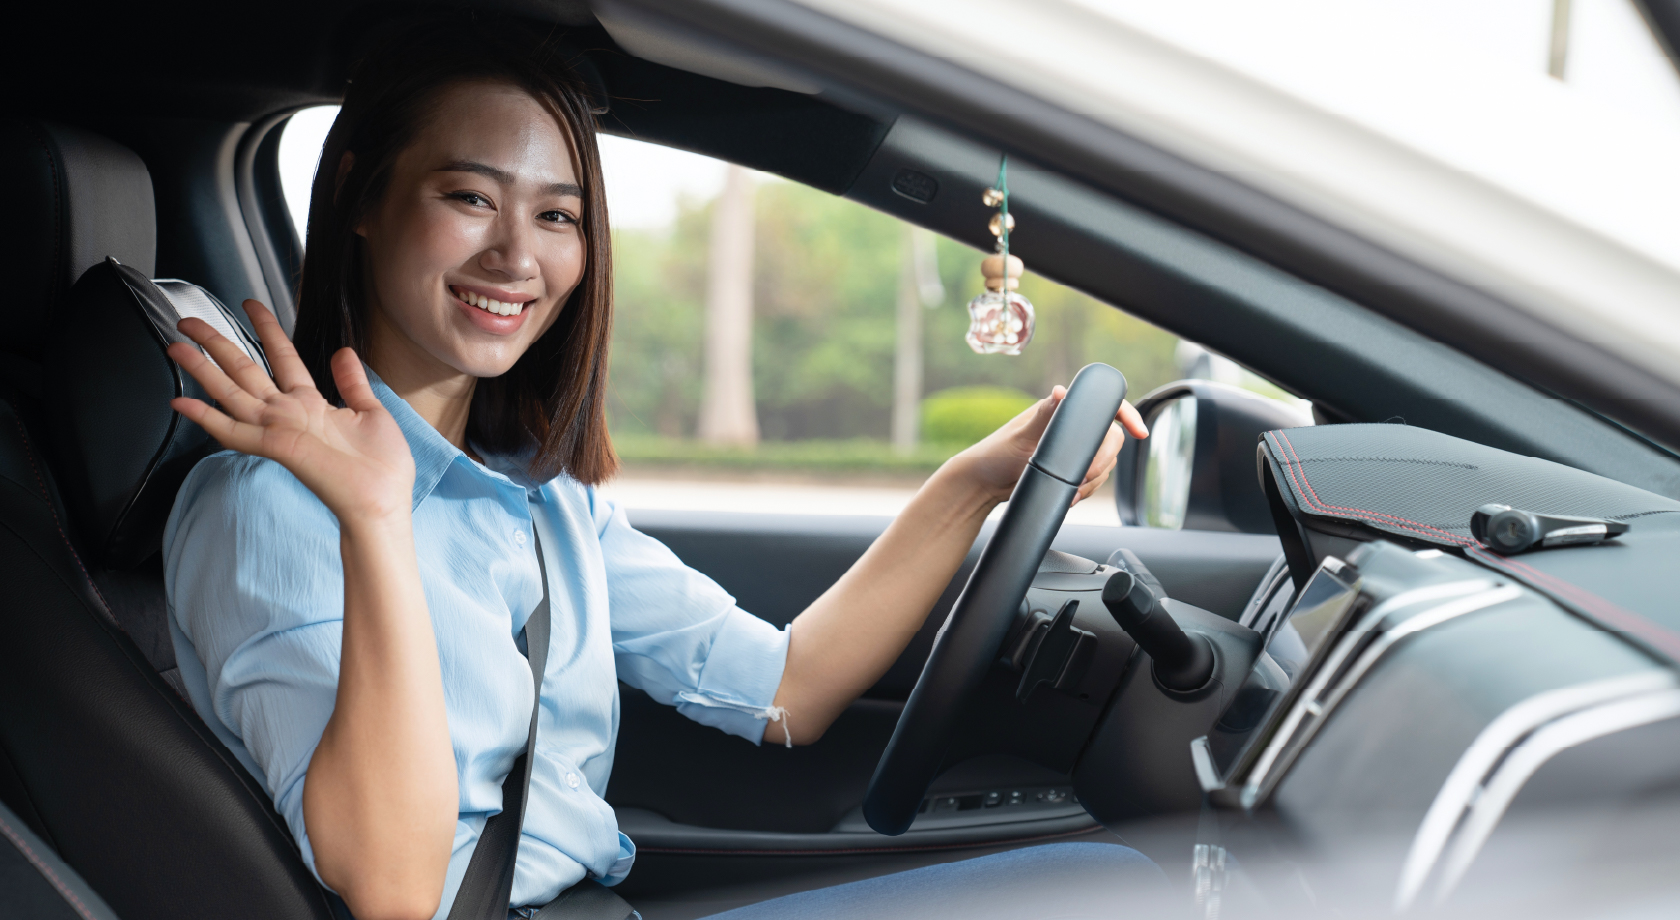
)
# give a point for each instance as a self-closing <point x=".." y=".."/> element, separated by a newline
<point x="973" y="633"/>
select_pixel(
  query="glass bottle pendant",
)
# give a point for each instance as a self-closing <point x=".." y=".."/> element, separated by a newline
<point x="999" y="323"/>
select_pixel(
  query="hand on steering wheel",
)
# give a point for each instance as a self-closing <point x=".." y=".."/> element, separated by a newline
<point x="997" y="460"/>
<point x="1058" y="451"/>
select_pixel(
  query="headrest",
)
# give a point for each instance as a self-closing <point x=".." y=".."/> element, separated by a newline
<point x="78" y="198"/>
<point x="119" y="451"/>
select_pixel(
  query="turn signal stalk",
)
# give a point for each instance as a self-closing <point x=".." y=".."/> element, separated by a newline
<point x="1183" y="661"/>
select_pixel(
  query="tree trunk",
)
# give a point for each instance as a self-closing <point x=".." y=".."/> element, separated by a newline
<point x="907" y="357"/>
<point x="918" y="287"/>
<point x="727" y="414"/>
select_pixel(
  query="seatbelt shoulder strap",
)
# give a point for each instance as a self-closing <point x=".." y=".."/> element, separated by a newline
<point x="487" y="884"/>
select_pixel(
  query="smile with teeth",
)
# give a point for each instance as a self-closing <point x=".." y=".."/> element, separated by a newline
<point x="488" y="305"/>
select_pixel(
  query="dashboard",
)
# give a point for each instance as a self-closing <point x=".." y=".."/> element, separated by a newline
<point x="1407" y="706"/>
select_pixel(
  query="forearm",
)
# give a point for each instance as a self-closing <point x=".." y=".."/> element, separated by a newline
<point x="842" y="644"/>
<point x="380" y="799"/>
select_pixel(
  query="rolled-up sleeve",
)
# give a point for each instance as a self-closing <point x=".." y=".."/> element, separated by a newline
<point x="256" y="588"/>
<point x="680" y="637"/>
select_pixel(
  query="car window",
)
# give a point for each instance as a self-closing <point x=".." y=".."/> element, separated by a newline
<point x="300" y="154"/>
<point x="819" y="407"/>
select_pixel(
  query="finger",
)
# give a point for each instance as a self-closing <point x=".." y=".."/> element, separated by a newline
<point x="352" y="381"/>
<point x="1035" y="418"/>
<point x="231" y="358"/>
<point x="1107" y="451"/>
<point x="1089" y="488"/>
<point x="289" y="372"/>
<point x="230" y="433"/>
<point x="1132" y="421"/>
<point x="215" y="382"/>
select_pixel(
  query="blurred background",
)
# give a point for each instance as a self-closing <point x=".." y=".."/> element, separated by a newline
<point x="831" y="294"/>
<point x="778" y="349"/>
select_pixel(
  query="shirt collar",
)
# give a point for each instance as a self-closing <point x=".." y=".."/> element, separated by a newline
<point x="517" y="468"/>
<point x="433" y="455"/>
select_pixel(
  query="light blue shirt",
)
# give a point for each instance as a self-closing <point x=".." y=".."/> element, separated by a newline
<point x="256" y="604"/>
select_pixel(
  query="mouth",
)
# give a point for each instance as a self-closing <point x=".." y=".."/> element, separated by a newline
<point x="488" y="304"/>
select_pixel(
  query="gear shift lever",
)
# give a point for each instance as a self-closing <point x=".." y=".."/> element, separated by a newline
<point x="1183" y="661"/>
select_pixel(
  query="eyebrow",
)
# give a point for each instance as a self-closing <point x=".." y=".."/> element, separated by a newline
<point x="562" y="189"/>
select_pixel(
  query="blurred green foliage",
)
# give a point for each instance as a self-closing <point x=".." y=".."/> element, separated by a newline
<point x="816" y="455"/>
<point x="961" y="416"/>
<point x="824" y="329"/>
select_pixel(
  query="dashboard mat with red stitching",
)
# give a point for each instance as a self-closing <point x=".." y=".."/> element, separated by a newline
<point x="1423" y="485"/>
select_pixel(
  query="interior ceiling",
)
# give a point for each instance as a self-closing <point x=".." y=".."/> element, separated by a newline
<point x="225" y="61"/>
<point x="138" y="67"/>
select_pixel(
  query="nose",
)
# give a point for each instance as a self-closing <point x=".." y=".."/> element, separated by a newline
<point x="511" y="252"/>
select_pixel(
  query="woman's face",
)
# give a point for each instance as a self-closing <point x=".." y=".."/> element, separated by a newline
<point x="477" y="242"/>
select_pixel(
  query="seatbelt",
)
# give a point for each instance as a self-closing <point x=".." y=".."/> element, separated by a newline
<point x="487" y="885"/>
<point x="488" y="882"/>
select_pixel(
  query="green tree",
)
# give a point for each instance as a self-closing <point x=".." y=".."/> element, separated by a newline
<point x="824" y="298"/>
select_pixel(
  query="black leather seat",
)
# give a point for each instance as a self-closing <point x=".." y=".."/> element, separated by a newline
<point x="99" y="754"/>
<point x="37" y="885"/>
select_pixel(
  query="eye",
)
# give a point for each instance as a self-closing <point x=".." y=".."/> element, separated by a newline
<point x="557" y="217"/>
<point x="472" y="199"/>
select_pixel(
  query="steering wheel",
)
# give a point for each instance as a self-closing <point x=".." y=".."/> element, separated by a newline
<point x="973" y="634"/>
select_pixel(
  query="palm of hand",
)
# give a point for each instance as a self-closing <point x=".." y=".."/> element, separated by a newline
<point x="355" y="459"/>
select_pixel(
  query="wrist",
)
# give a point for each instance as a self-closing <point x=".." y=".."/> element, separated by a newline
<point x="376" y="524"/>
<point x="963" y="485"/>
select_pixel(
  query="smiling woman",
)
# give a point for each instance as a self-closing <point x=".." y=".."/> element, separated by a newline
<point x="408" y="605"/>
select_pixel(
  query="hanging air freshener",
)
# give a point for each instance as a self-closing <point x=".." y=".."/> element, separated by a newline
<point x="1000" y="321"/>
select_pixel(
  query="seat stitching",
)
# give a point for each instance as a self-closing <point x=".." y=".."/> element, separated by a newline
<point x="1661" y="639"/>
<point x="30" y="799"/>
<point x="41" y="483"/>
<point x="46" y="870"/>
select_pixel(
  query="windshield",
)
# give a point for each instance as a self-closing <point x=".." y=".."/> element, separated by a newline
<point x="1571" y="105"/>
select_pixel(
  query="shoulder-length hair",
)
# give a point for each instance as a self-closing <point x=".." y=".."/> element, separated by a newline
<point x="554" y="398"/>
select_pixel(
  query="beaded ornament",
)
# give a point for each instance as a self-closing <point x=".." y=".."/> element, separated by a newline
<point x="1000" y="321"/>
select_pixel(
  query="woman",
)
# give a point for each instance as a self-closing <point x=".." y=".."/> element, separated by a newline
<point x="354" y="575"/>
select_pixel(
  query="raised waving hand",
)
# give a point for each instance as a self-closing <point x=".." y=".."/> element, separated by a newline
<point x="381" y="799"/>
<point x="354" y="459"/>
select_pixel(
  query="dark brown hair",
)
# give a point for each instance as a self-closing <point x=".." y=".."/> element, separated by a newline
<point x="554" y="397"/>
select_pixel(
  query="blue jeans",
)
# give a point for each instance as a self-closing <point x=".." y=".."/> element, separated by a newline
<point x="1060" y="880"/>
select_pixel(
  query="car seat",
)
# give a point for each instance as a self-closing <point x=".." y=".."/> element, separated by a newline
<point x="99" y="754"/>
<point x="36" y="885"/>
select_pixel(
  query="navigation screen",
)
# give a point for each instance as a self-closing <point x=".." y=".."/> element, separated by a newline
<point x="1315" y="617"/>
<point x="1312" y="619"/>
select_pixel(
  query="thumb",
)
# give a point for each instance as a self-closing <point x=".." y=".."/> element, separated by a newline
<point x="352" y="381"/>
<point x="1042" y="412"/>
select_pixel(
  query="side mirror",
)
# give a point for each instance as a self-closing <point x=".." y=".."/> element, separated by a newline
<point x="1196" y="471"/>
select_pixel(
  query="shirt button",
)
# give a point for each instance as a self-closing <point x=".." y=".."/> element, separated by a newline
<point x="572" y="780"/>
<point x="519" y="537"/>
